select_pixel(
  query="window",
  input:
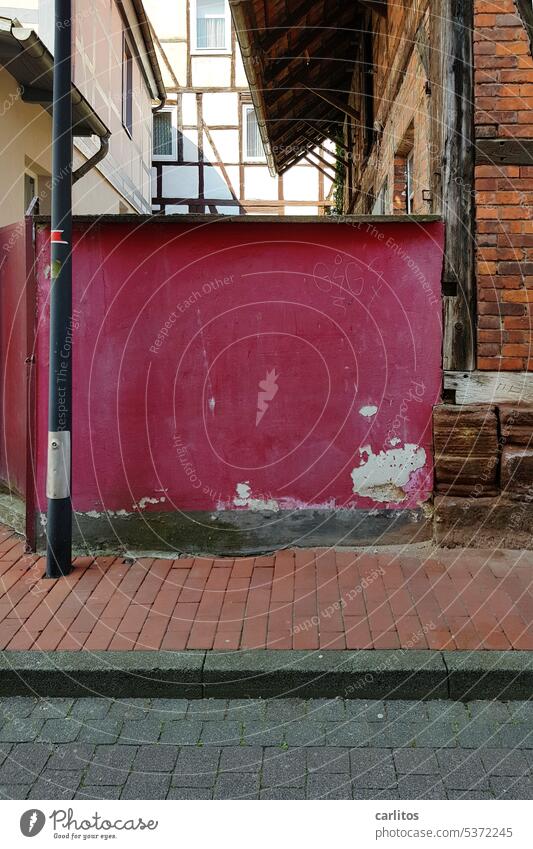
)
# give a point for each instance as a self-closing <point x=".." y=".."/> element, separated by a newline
<point x="165" y="135"/>
<point x="409" y="184"/>
<point x="253" y="145"/>
<point x="381" y="202"/>
<point x="211" y="25"/>
<point x="29" y="191"/>
<point x="127" y="87"/>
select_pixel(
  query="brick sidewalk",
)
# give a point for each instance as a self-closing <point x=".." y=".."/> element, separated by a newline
<point x="303" y="599"/>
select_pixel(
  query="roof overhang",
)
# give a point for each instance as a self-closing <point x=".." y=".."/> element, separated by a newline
<point x="25" y="57"/>
<point x="299" y="61"/>
<point x="158" y="86"/>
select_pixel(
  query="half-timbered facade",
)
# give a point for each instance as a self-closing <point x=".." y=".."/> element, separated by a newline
<point x="208" y="152"/>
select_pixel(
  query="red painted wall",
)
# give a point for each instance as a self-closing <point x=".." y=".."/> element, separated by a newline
<point x="182" y="330"/>
<point x="13" y="353"/>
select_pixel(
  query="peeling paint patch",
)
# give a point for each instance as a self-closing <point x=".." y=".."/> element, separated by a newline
<point x="368" y="412"/>
<point x="384" y="476"/>
<point x="244" y="499"/>
<point x="212" y="404"/>
<point x="395" y="441"/>
<point x="147" y="500"/>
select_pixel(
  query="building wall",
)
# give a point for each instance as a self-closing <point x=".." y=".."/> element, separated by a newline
<point x="504" y="194"/>
<point x="398" y="123"/>
<point x="97" y="72"/>
<point x="206" y="95"/>
<point x="226" y="395"/>
<point x="25" y="145"/>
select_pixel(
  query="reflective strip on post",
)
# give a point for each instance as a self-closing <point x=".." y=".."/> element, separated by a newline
<point x="58" y="471"/>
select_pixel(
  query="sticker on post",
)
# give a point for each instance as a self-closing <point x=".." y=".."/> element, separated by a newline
<point x="58" y="471"/>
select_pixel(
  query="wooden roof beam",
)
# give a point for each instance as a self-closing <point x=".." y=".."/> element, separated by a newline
<point x="335" y="101"/>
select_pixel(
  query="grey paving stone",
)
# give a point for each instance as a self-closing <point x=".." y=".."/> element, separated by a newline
<point x="397" y="735"/>
<point x="90" y="708"/>
<point x="56" y="784"/>
<point x="241" y="759"/>
<point x="21" y="730"/>
<point x="282" y="794"/>
<point x="328" y="759"/>
<point x="284" y="768"/>
<point x="102" y="792"/>
<point x="505" y="762"/>
<point x="135" y="709"/>
<point x="63" y="730"/>
<point x="456" y="713"/>
<point x="260" y="734"/>
<point x="191" y="793"/>
<point x="232" y="786"/>
<point x="12" y="707"/>
<point x="246" y="710"/>
<point x="159" y="758"/>
<point x="436" y="734"/>
<point x="196" y="767"/>
<point x="149" y="786"/>
<point x="285" y="710"/>
<point x="478" y="732"/>
<point x="421" y="787"/>
<point x="373" y="710"/>
<point x="73" y="756"/>
<point x="520" y="787"/>
<point x="489" y="711"/>
<point x="222" y="733"/>
<point x="374" y="793"/>
<point x="207" y="710"/>
<point x="521" y="711"/>
<point x="5" y="749"/>
<point x="372" y="768"/>
<point x="168" y="709"/>
<point x="305" y="733"/>
<point x="14" y="791"/>
<point x="328" y="786"/>
<point x="415" y="762"/>
<point x="111" y="765"/>
<point x="52" y="708"/>
<point x="472" y="795"/>
<point x="462" y="769"/>
<point x="24" y="763"/>
<point x="326" y="710"/>
<point x="350" y="733"/>
<point x="99" y="731"/>
<point x="406" y="711"/>
<point x="136" y="731"/>
<point x="513" y="735"/>
<point x="182" y="732"/>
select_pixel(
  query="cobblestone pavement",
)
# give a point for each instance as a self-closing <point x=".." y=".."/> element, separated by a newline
<point x="96" y="748"/>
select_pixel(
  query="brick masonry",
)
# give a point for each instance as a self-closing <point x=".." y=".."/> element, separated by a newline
<point x="504" y="194"/>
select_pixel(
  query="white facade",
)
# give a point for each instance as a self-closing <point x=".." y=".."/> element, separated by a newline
<point x="207" y="151"/>
<point x="102" y="31"/>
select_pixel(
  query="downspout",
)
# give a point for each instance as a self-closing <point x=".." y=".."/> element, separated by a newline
<point x="100" y="154"/>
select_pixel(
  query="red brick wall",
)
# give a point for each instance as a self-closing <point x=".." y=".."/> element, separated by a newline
<point x="504" y="195"/>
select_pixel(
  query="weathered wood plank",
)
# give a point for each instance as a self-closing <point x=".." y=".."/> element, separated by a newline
<point x="504" y="152"/>
<point x="490" y="387"/>
<point x="452" y="27"/>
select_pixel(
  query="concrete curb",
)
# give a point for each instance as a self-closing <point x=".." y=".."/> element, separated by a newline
<point x="408" y="674"/>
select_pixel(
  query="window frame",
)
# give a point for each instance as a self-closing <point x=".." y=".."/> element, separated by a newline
<point x="382" y="197"/>
<point x="246" y="158"/>
<point x="166" y="157"/>
<point x="127" y="93"/>
<point x="210" y="51"/>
